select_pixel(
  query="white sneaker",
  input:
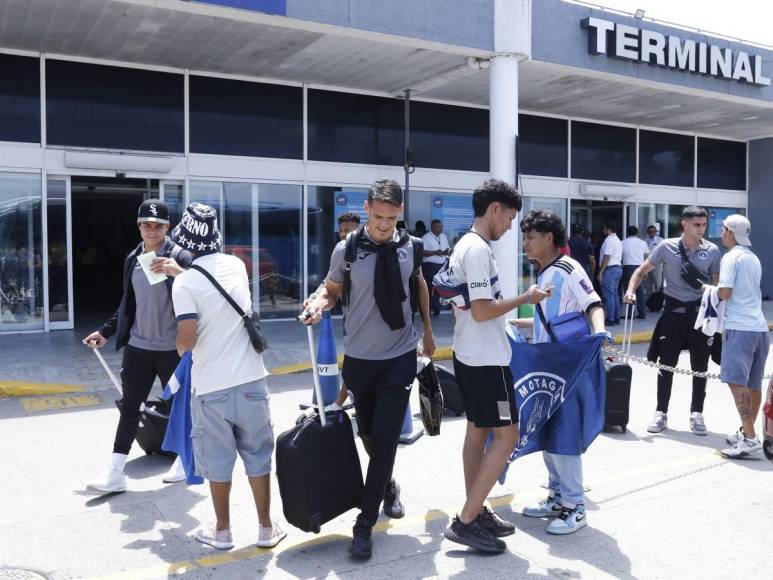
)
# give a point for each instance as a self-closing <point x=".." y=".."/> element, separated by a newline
<point x="222" y="539"/>
<point x="176" y="472"/>
<point x="697" y="425"/>
<point x="569" y="520"/>
<point x="735" y="437"/>
<point x="745" y="449"/>
<point x="271" y="536"/>
<point x="109" y="481"/>
<point x="548" y="507"/>
<point x="659" y="422"/>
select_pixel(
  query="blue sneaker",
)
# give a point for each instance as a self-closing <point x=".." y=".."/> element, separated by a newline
<point x="569" y="520"/>
<point x="546" y="508"/>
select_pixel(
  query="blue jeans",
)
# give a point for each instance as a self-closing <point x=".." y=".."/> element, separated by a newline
<point x="565" y="478"/>
<point x="610" y="282"/>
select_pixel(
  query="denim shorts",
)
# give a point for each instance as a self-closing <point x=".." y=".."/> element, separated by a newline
<point x="231" y="421"/>
<point x="743" y="357"/>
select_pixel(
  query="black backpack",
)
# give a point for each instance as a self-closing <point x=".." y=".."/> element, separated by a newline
<point x="350" y="257"/>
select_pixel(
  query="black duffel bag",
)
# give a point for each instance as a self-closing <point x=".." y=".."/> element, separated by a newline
<point x="430" y="397"/>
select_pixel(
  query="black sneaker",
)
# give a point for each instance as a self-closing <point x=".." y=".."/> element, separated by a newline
<point x="362" y="542"/>
<point x="498" y="527"/>
<point x="393" y="507"/>
<point x="474" y="535"/>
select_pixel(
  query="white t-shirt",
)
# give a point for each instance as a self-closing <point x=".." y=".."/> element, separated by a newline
<point x="223" y="356"/>
<point x="478" y="344"/>
<point x="433" y="243"/>
<point x="653" y="243"/>
<point x="634" y="250"/>
<point x="572" y="292"/>
<point x="613" y="248"/>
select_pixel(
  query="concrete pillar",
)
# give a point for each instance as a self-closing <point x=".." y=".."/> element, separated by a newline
<point x="503" y="132"/>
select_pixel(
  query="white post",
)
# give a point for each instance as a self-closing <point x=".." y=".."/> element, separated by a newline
<point x="503" y="132"/>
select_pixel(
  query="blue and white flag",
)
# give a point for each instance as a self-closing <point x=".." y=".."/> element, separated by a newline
<point x="178" y="431"/>
<point x="559" y="393"/>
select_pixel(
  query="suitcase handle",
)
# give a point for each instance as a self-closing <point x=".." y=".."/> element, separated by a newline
<point x="628" y="329"/>
<point x="315" y="372"/>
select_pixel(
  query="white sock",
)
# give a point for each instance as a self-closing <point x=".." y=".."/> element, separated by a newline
<point x="118" y="461"/>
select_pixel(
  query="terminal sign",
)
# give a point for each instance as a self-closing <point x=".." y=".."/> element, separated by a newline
<point x="641" y="45"/>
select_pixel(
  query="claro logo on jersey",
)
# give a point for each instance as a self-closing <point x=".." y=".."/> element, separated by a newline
<point x="537" y="393"/>
<point x="483" y="284"/>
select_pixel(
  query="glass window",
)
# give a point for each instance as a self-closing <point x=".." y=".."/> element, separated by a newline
<point x="261" y="225"/>
<point x="58" y="294"/>
<point x="603" y="152"/>
<point x="528" y="270"/>
<point x="721" y="164"/>
<point x="453" y="209"/>
<point x="19" y="98"/>
<point x="666" y="158"/>
<point x="542" y="145"/>
<point x="21" y="264"/>
<point x="174" y="199"/>
<point x="110" y="107"/>
<point x="649" y="214"/>
<point x="232" y="117"/>
<point x="351" y="128"/>
<point x="449" y="137"/>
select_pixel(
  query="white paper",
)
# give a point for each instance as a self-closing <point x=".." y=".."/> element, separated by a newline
<point x="145" y="260"/>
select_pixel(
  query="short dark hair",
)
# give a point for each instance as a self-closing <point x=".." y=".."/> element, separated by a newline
<point x="348" y="217"/>
<point x="693" y="211"/>
<point x="495" y="190"/>
<point x="610" y="226"/>
<point x="633" y="231"/>
<point x="577" y="230"/>
<point x="652" y="227"/>
<point x="433" y="222"/>
<point x="547" y="222"/>
<point x="386" y="190"/>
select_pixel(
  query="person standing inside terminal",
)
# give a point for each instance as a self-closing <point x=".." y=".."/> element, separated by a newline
<point x="436" y="251"/>
<point x="482" y="356"/>
<point x="746" y="340"/>
<point x="145" y="325"/>
<point x="610" y="273"/>
<point x="654" y="279"/>
<point x="689" y="262"/>
<point x="380" y="343"/>
<point x="581" y="250"/>
<point x="635" y="251"/>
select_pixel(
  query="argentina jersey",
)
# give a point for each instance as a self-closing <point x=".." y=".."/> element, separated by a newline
<point x="572" y="292"/>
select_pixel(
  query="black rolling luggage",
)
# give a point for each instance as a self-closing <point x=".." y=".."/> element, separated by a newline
<point x="317" y="465"/>
<point x="154" y="419"/>
<point x="619" y="376"/>
<point x="452" y="396"/>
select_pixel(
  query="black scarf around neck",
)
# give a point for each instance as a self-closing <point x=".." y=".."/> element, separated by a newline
<point x="388" y="289"/>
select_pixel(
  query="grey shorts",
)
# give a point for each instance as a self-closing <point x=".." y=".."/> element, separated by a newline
<point x="743" y="358"/>
<point x="231" y="421"/>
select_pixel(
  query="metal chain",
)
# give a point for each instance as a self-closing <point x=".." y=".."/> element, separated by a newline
<point x="654" y="365"/>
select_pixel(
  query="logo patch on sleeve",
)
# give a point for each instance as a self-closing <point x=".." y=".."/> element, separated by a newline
<point x="586" y="286"/>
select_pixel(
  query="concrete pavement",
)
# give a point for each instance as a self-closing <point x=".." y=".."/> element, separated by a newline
<point x="660" y="506"/>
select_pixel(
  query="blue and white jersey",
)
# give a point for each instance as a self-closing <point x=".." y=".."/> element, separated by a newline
<point x="572" y="292"/>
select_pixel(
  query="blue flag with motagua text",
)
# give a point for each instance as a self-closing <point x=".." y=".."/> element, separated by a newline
<point x="559" y="393"/>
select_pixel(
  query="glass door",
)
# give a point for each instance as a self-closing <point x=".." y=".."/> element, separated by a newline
<point x="173" y="195"/>
<point x="59" y="256"/>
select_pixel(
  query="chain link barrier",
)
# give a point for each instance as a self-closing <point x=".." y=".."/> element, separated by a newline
<point x="623" y="355"/>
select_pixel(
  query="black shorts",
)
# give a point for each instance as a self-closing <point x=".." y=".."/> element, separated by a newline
<point x="488" y="394"/>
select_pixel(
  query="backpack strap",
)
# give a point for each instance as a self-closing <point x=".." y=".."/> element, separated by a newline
<point x="350" y="257"/>
<point x="413" y="282"/>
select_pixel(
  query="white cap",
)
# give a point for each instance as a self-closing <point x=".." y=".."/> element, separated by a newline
<point x="740" y="227"/>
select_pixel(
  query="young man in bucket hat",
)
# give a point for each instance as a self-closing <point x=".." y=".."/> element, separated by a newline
<point x="145" y="325"/>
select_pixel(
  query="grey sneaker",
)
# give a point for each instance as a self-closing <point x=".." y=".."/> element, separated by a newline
<point x="697" y="425"/>
<point x="548" y="507"/>
<point x="735" y="437"/>
<point x="745" y="449"/>
<point x="659" y="422"/>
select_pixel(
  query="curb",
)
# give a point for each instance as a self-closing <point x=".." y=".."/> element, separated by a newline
<point x="27" y="389"/>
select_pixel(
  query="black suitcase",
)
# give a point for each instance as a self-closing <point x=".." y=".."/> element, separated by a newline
<point x="317" y="464"/>
<point x="452" y="396"/>
<point x="153" y="422"/>
<point x="619" y="376"/>
<point x="319" y="471"/>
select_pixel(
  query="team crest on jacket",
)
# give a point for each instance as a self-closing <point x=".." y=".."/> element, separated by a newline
<point x="537" y="393"/>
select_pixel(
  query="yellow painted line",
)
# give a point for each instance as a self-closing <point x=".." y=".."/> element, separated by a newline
<point x="26" y="389"/>
<point x="52" y="403"/>
<point x="245" y="554"/>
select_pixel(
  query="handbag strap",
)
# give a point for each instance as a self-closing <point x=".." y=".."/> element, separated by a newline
<point x="225" y="294"/>
<point x="545" y="322"/>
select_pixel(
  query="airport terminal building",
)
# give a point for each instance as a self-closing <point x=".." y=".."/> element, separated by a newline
<point x="280" y="113"/>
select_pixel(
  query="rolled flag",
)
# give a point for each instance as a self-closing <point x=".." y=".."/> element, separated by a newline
<point x="178" y="431"/>
<point x="327" y="362"/>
